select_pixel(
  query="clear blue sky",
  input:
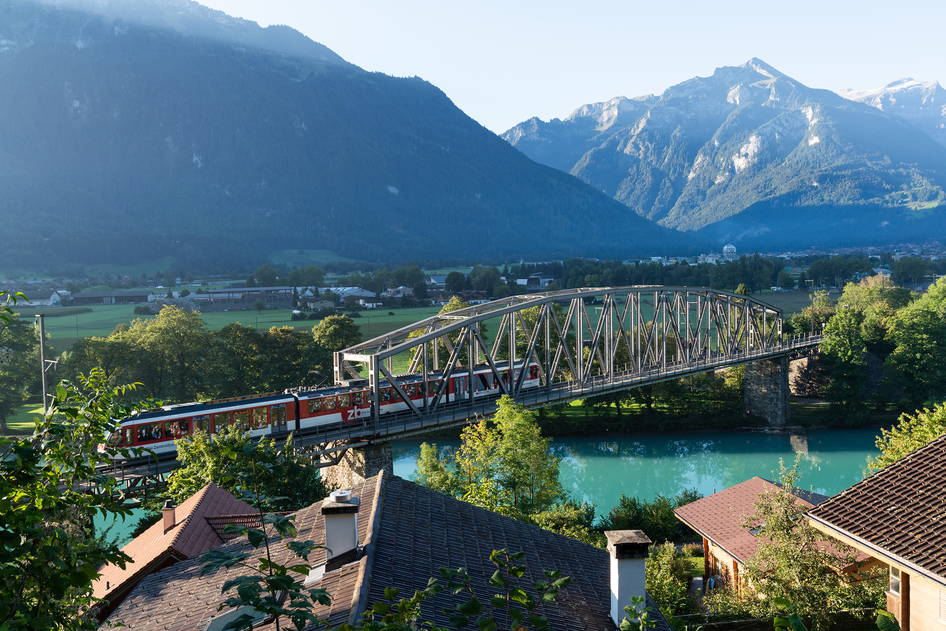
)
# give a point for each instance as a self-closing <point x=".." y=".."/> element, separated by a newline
<point x="503" y="61"/>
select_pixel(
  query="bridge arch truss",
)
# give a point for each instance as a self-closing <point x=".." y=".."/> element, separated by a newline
<point x="582" y="341"/>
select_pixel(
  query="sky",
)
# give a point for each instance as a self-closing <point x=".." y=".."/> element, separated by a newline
<point x="504" y="61"/>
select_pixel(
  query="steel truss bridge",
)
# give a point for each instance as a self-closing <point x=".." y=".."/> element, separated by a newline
<point x="584" y="342"/>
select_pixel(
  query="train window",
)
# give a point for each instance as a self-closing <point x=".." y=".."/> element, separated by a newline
<point x="434" y="386"/>
<point x="201" y="423"/>
<point x="315" y="406"/>
<point x="177" y="429"/>
<point x="534" y="371"/>
<point x="128" y="435"/>
<point x="358" y="398"/>
<point x="328" y="403"/>
<point x="344" y="401"/>
<point x="242" y="419"/>
<point x="258" y="418"/>
<point x="150" y="432"/>
<point x="221" y="420"/>
<point x="278" y="414"/>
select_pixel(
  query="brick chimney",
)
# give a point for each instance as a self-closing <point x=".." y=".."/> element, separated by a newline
<point x="340" y="510"/>
<point x="168" y="515"/>
<point x="628" y="550"/>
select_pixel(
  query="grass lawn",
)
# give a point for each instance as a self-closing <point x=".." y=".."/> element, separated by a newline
<point x="21" y="421"/>
<point x="695" y="565"/>
<point x="67" y="325"/>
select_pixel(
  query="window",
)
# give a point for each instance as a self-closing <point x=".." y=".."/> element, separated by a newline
<point x="259" y="418"/>
<point x="178" y="429"/>
<point x="358" y="398"/>
<point x="344" y="401"/>
<point x="128" y="435"/>
<point x="242" y="419"/>
<point x="221" y="420"/>
<point x="315" y="406"/>
<point x="328" y="403"/>
<point x="893" y="585"/>
<point x="278" y="415"/>
<point x="201" y="423"/>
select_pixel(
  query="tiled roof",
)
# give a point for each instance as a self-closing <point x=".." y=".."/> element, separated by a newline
<point x="720" y="516"/>
<point x="900" y="510"/>
<point x="192" y="535"/>
<point x="408" y="532"/>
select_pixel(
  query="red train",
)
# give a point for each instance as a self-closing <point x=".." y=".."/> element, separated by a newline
<point x="278" y="413"/>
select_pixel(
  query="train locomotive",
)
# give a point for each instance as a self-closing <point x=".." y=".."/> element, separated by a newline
<point x="300" y="409"/>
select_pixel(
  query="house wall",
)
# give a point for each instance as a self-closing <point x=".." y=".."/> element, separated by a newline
<point x="921" y="605"/>
<point x="722" y="563"/>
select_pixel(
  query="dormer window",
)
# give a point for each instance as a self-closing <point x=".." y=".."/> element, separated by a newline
<point x="222" y="621"/>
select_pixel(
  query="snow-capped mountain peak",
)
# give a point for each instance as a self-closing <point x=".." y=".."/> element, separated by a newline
<point x="922" y="103"/>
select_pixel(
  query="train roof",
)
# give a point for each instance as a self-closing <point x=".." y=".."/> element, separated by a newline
<point x="210" y="406"/>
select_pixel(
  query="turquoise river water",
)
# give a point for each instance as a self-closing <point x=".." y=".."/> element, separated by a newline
<point x="599" y="469"/>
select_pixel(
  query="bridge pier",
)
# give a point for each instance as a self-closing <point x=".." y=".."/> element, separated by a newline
<point x="358" y="464"/>
<point x="765" y="390"/>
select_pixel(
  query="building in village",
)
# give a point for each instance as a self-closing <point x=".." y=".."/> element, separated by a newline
<point x="387" y="532"/>
<point x="898" y="517"/>
<point x="719" y="519"/>
<point x="183" y="532"/>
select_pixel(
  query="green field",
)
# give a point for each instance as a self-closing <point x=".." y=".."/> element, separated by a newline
<point x="66" y="325"/>
<point x="21" y="421"/>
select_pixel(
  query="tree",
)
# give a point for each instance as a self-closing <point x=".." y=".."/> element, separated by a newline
<point x="911" y="432"/>
<point x="796" y="563"/>
<point x="309" y="276"/>
<point x="19" y="365"/>
<point x="917" y="363"/>
<point x="234" y="461"/>
<point x="49" y="552"/>
<point x="741" y="289"/>
<point x="668" y="580"/>
<point x="336" y="332"/>
<point x="266" y="275"/>
<point x="656" y="517"/>
<point x="784" y="279"/>
<point x="455" y="282"/>
<point x="572" y="520"/>
<point x="503" y="464"/>
<point x="910" y="270"/>
<point x="484" y="278"/>
<point x="846" y="350"/>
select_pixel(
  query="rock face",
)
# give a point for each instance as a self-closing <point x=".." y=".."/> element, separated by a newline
<point x="148" y="129"/>
<point x="921" y="103"/>
<point x="752" y="156"/>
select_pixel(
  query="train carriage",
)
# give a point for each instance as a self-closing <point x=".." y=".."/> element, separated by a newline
<point x="303" y="409"/>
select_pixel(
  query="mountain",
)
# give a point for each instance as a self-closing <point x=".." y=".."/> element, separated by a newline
<point x="134" y="130"/>
<point x="752" y="156"/>
<point x="923" y="104"/>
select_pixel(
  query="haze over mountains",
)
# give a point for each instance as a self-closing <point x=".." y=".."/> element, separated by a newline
<point x="753" y="156"/>
<point x="137" y="129"/>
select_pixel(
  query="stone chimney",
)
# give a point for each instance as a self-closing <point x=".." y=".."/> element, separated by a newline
<point x="628" y="550"/>
<point x="340" y="510"/>
<point x="168" y="515"/>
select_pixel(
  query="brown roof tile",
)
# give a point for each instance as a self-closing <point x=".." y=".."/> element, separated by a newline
<point x="719" y="517"/>
<point x="900" y="510"/>
<point x="408" y="532"/>
<point x="155" y="548"/>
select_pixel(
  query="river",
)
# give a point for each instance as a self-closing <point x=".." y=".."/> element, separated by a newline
<point x="599" y="469"/>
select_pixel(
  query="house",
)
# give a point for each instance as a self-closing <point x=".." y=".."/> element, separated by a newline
<point x="60" y="297"/>
<point x="386" y="532"/>
<point x="183" y="532"/>
<point x="898" y="516"/>
<point x="277" y="297"/>
<point x="718" y="519"/>
<point x="112" y="297"/>
<point x="398" y="292"/>
<point x="535" y="281"/>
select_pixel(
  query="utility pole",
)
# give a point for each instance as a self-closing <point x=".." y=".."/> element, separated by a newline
<point x="44" y="364"/>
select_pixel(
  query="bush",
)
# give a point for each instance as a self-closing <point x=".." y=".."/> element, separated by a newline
<point x="143" y="310"/>
<point x="668" y="580"/>
<point x="655" y="518"/>
<point x="692" y="549"/>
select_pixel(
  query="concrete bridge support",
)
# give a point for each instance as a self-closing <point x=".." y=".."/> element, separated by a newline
<point x="765" y="391"/>
<point x="358" y="464"/>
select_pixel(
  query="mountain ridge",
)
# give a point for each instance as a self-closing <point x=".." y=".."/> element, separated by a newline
<point x="748" y="136"/>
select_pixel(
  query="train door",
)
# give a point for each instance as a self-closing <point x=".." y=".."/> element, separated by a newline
<point x="461" y="387"/>
<point x="278" y="418"/>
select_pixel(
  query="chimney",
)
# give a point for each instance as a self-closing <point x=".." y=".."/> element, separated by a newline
<point x="340" y="510"/>
<point x="168" y="515"/>
<point x="628" y="550"/>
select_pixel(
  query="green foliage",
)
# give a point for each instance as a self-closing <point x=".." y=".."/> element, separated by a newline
<point x="911" y="432"/>
<point x="235" y="462"/>
<point x="503" y="464"/>
<point x="49" y="552"/>
<point x="656" y="517"/>
<point x="336" y="332"/>
<point x="668" y="580"/>
<point x="637" y="616"/>
<point x="19" y="365"/>
<point x="917" y="334"/>
<point x="795" y="563"/>
<point x="886" y="621"/>
<point x="572" y="520"/>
